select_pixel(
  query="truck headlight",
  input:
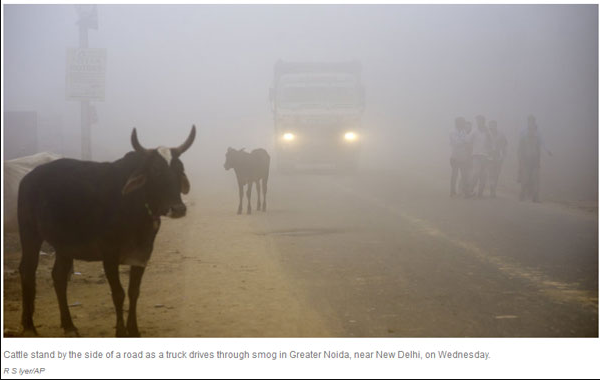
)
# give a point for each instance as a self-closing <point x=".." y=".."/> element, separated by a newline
<point x="288" y="136"/>
<point x="350" y="136"/>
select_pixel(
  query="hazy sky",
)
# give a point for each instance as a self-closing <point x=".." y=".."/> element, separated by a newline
<point x="171" y="66"/>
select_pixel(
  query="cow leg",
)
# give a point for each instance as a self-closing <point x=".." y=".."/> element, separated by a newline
<point x="135" y="279"/>
<point x="258" y="195"/>
<point x="249" y="195"/>
<point x="111" y="269"/>
<point x="30" y="244"/>
<point x="264" y="189"/>
<point x="60" y="275"/>
<point x="241" y="191"/>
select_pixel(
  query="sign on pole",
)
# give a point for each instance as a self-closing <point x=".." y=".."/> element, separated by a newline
<point x="86" y="71"/>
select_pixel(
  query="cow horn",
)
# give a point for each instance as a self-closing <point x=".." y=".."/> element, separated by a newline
<point x="136" y="144"/>
<point x="185" y="146"/>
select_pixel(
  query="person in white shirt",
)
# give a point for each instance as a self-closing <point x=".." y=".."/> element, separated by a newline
<point x="459" y="157"/>
<point x="481" y="156"/>
<point x="499" y="147"/>
<point x="469" y="169"/>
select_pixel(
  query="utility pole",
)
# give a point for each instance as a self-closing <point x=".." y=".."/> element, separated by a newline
<point x="88" y="18"/>
<point x="86" y="128"/>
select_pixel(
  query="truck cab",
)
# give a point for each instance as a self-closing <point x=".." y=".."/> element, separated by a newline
<point x="317" y="110"/>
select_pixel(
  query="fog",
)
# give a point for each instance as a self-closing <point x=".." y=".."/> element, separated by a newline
<point x="381" y="249"/>
<point x="169" y="67"/>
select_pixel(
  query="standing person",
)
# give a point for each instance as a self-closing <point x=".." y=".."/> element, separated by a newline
<point x="481" y="156"/>
<point x="530" y="148"/>
<point x="459" y="156"/>
<point x="469" y="167"/>
<point x="499" y="145"/>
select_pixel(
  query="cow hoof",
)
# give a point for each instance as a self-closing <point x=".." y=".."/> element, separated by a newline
<point x="121" y="333"/>
<point x="71" y="333"/>
<point x="29" y="333"/>
<point x="134" y="334"/>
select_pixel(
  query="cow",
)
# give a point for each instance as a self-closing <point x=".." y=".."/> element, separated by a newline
<point x="95" y="211"/>
<point x="14" y="171"/>
<point x="249" y="168"/>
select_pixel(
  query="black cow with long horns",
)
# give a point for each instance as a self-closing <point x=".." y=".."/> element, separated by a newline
<point x="94" y="211"/>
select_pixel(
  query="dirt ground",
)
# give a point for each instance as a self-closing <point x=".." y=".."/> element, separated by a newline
<point x="204" y="279"/>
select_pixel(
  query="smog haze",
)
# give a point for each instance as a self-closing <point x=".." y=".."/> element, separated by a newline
<point x="169" y="67"/>
<point x="363" y="233"/>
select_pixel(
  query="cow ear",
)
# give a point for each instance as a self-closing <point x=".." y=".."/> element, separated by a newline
<point x="134" y="183"/>
<point x="185" y="184"/>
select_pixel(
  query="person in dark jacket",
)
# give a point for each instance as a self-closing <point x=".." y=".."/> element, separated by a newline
<point x="530" y="149"/>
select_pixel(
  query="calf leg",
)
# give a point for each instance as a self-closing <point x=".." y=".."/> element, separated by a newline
<point x="60" y="275"/>
<point x="111" y="269"/>
<point x="30" y="244"/>
<point x="135" y="279"/>
<point x="241" y="191"/>
<point x="264" y="189"/>
<point x="258" y="194"/>
<point x="249" y="195"/>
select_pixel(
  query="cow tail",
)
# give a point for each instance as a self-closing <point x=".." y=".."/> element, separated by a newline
<point x="268" y="165"/>
<point x="31" y="243"/>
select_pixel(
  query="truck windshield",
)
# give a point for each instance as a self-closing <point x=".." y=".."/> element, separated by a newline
<point x="319" y="95"/>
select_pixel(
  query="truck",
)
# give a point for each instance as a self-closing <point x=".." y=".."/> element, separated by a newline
<point x="317" y="109"/>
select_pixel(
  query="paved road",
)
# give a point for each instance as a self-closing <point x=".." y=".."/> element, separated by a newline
<point x="390" y="255"/>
